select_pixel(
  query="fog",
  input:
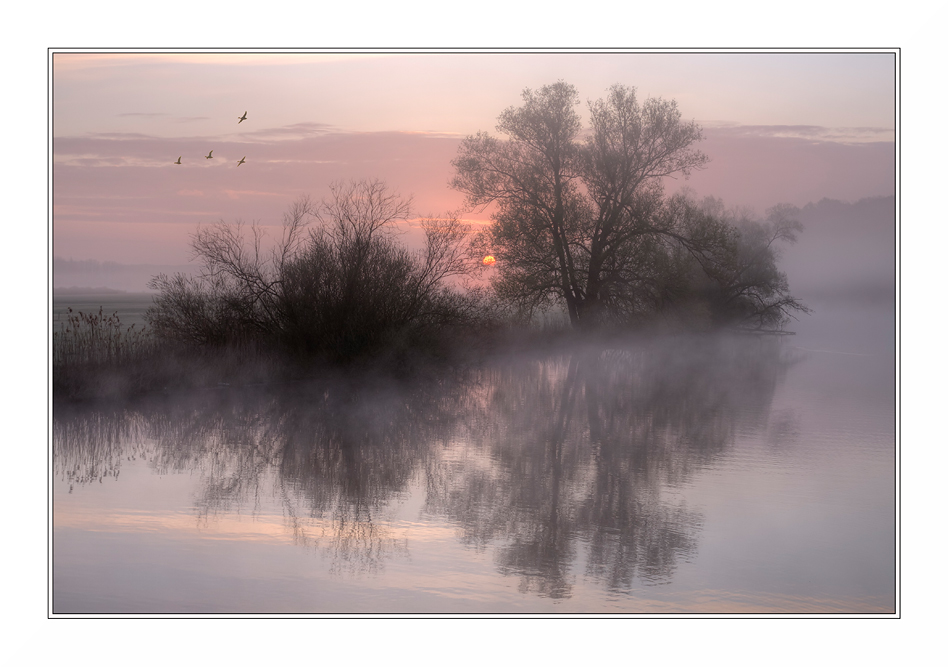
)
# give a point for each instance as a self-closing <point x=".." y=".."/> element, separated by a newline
<point x="845" y="250"/>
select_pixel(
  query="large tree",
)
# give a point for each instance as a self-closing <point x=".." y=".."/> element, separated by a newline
<point x="581" y="217"/>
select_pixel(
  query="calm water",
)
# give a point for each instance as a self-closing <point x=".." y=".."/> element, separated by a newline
<point x="735" y="475"/>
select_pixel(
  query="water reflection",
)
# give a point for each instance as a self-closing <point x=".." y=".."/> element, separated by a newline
<point x="582" y="454"/>
<point x="89" y="445"/>
<point x="562" y="468"/>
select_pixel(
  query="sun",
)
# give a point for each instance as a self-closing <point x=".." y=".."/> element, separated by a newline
<point x="489" y="260"/>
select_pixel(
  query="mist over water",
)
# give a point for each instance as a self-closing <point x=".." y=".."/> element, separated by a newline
<point x="725" y="474"/>
<point x="846" y="251"/>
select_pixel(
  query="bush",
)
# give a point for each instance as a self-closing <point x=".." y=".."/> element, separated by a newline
<point x="725" y="271"/>
<point x="340" y="291"/>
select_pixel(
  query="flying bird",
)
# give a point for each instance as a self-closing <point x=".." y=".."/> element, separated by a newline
<point x="209" y="156"/>
<point x="241" y="160"/>
<point x="179" y="160"/>
<point x="241" y="119"/>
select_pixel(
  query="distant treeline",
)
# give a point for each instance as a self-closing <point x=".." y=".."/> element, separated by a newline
<point x="847" y="249"/>
<point x="83" y="291"/>
<point x="85" y="265"/>
<point x="71" y="273"/>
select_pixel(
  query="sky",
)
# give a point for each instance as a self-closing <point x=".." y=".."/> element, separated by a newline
<point x="792" y="127"/>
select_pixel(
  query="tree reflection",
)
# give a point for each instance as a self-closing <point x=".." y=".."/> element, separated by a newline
<point x="333" y="454"/>
<point x="583" y="453"/>
<point x="560" y="466"/>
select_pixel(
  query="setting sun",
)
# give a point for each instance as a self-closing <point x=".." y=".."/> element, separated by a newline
<point x="489" y="260"/>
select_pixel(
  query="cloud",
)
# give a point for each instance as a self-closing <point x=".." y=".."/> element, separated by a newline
<point x="294" y="161"/>
<point x="88" y="161"/>
<point x="139" y="113"/>
<point x="751" y="166"/>
<point x="758" y="169"/>
<point x="846" y="135"/>
<point x="287" y="132"/>
<point x="117" y="136"/>
<point x="97" y="168"/>
<point x="239" y="194"/>
<point x="71" y="62"/>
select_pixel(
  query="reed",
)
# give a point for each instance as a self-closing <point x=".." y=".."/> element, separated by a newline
<point x="95" y="339"/>
<point x="95" y="356"/>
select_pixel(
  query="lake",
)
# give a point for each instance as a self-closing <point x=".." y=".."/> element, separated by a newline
<point x="740" y="475"/>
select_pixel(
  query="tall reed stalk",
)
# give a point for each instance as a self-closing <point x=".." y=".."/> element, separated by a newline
<point x="97" y="339"/>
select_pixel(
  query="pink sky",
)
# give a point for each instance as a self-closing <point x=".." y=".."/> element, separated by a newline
<point x="779" y="128"/>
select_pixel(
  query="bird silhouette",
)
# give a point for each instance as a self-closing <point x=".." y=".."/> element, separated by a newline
<point x="209" y="156"/>
<point x="241" y="160"/>
<point x="179" y="160"/>
<point x="241" y="119"/>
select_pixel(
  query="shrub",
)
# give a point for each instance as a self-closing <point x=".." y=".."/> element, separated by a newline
<point x="726" y="273"/>
<point x="340" y="290"/>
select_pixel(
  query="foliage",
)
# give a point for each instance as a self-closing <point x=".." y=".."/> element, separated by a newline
<point x="582" y="220"/>
<point x="340" y="290"/>
<point x="740" y="284"/>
